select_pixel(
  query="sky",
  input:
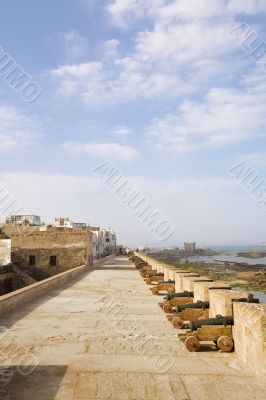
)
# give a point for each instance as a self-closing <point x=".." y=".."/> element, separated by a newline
<point x="171" y="92"/>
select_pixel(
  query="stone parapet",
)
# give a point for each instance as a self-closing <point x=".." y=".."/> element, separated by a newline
<point x="202" y="289"/>
<point x="249" y="334"/>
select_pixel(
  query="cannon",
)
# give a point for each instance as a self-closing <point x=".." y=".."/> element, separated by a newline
<point x="199" y="304"/>
<point x="179" y="298"/>
<point x="218" y="330"/>
<point x="154" y="274"/>
<point x="219" y="320"/>
<point x="169" y="306"/>
<point x="168" y="286"/>
<point x="154" y="279"/>
<point x="137" y="261"/>
<point x="148" y="273"/>
<point x="145" y="270"/>
<point x="171" y="296"/>
<point x="140" y="264"/>
<point x="189" y="312"/>
<point x="249" y="299"/>
<point x="180" y="320"/>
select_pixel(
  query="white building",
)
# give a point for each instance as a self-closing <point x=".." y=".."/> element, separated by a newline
<point x="5" y="251"/>
<point x="33" y="220"/>
<point x="109" y="241"/>
<point x="103" y="242"/>
<point x="97" y="241"/>
<point x="121" y="250"/>
<point x="68" y="223"/>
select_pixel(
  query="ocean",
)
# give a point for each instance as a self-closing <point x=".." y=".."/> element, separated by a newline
<point x="229" y="254"/>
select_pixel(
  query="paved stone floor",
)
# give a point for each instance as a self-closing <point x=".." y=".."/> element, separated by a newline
<point x="102" y="337"/>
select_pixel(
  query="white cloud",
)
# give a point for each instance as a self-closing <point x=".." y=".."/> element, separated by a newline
<point x="111" y="48"/>
<point x="74" y="45"/>
<point x="126" y="79"/>
<point x="17" y="131"/>
<point x="85" y="80"/>
<point x="184" y="41"/>
<point x="211" y="206"/>
<point x="225" y="117"/>
<point x="256" y="159"/>
<point x="112" y="151"/>
<point x="247" y="6"/>
<point x="193" y="9"/>
<point x="122" y="132"/>
<point x="83" y="70"/>
<point x="124" y="12"/>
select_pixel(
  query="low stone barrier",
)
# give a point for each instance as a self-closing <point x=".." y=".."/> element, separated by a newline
<point x="249" y="333"/>
<point x="202" y="289"/>
<point x="179" y="280"/>
<point x="221" y="301"/>
<point x="173" y="271"/>
<point x="14" y="300"/>
<point x="189" y="282"/>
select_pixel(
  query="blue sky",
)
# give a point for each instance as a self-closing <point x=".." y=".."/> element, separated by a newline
<point x="161" y="89"/>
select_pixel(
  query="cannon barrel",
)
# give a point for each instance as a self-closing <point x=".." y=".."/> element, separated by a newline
<point x="219" y="320"/>
<point x="171" y="296"/>
<point x="247" y="300"/>
<point x="169" y="281"/>
<point x="199" y="304"/>
<point x="140" y="265"/>
<point x="153" y="275"/>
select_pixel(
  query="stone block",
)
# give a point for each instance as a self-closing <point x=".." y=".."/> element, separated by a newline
<point x="173" y="271"/>
<point x="221" y="301"/>
<point x="202" y="289"/>
<point x="189" y="281"/>
<point x="179" y="280"/>
<point x="249" y="333"/>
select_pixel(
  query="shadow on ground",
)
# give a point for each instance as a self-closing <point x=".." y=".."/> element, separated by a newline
<point x="42" y="384"/>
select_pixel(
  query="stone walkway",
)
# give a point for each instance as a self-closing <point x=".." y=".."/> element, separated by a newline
<point x="104" y="337"/>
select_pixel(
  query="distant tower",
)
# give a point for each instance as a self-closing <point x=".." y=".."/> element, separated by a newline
<point x="190" y="247"/>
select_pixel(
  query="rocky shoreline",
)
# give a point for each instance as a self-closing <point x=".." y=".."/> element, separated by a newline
<point x="250" y="277"/>
<point x="252" y="254"/>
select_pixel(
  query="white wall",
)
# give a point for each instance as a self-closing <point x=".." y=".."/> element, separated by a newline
<point x="5" y="251"/>
<point x="109" y="241"/>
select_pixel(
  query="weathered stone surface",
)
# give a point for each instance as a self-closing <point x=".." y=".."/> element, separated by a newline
<point x="250" y="335"/>
<point x="189" y="282"/>
<point x="202" y="289"/>
<point x="179" y="284"/>
<point x="221" y="301"/>
<point x="71" y="248"/>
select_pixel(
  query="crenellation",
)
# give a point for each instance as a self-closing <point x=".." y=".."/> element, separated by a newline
<point x="202" y="289"/>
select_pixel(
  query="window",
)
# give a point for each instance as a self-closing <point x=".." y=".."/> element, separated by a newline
<point x="107" y="240"/>
<point x="32" y="261"/>
<point x="52" y="261"/>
